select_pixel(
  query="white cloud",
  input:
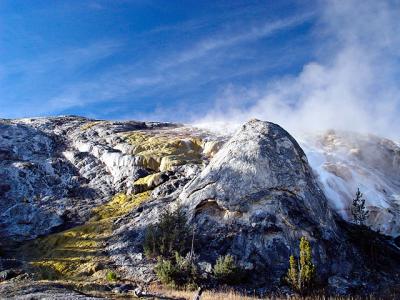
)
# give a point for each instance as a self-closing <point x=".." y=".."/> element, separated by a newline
<point x="354" y="84"/>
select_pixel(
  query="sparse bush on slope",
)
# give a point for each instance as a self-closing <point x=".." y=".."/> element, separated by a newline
<point x="168" y="240"/>
<point x="226" y="270"/>
<point x="179" y="272"/>
<point x="111" y="276"/>
<point x="169" y="235"/>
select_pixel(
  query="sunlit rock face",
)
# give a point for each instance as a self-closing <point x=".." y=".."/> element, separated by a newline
<point x="78" y="195"/>
<point x="257" y="197"/>
<point x="55" y="171"/>
<point x="59" y="169"/>
<point x="345" y="161"/>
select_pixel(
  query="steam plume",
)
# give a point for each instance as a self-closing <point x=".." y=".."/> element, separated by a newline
<point x="353" y="84"/>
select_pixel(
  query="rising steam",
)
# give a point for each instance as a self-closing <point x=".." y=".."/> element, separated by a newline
<point x="352" y="85"/>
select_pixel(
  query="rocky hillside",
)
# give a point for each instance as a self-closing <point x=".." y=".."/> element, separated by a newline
<point x="76" y="196"/>
<point x="345" y="161"/>
<point x="55" y="171"/>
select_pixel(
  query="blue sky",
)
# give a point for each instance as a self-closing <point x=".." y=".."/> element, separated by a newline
<point x="306" y="65"/>
<point x="123" y="59"/>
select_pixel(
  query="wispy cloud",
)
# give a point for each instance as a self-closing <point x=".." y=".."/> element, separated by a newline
<point x="225" y="40"/>
<point x="178" y="69"/>
<point x="54" y="69"/>
<point x="71" y="58"/>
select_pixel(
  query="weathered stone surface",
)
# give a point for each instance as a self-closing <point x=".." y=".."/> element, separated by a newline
<point x="27" y="220"/>
<point x="54" y="171"/>
<point x="257" y="197"/>
<point x="91" y="187"/>
<point x="254" y="200"/>
<point x="8" y="274"/>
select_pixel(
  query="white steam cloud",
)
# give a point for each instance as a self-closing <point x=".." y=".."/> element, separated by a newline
<point x="353" y="84"/>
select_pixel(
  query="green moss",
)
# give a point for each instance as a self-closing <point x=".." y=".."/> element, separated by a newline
<point x="70" y="254"/>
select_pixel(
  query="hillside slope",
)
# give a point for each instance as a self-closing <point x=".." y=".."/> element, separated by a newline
<point x="76" y="196"/>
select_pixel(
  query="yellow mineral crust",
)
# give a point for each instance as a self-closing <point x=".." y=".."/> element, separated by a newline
<point x="79" y="252"/>
<point x="148" y="182"/>
<point x="89" y="125"/>
<point x="162" y="151"/>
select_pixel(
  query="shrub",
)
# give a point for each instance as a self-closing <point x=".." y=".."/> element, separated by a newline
<point x="301" y="274"/>
<point x="111" y="276"/>
<point x="169" y="235"/>
<point x="226" y="270"/>
<point x="179" y="272"/>
<point x="165" y="270"/>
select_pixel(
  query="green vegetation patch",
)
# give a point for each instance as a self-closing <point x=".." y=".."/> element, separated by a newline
<point x="178" y="272"/>
<point x="168" y="236"/>
<point x="227" y="271"/>
<point x="111" y="276"/>
<point x="301" y="273"/>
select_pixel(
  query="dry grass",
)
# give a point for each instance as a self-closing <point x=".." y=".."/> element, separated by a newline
<point x="206" y="295"/>
<point x="234" y="295"/>
<point x="228" y="295"/>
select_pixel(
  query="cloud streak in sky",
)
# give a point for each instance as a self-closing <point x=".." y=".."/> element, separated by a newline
<point x="56" y="66"/>
<point x="225" y="40"/>
<point x="70" y="58"/>
<point x="352" y="85"/>
<point x="179" y="69"/>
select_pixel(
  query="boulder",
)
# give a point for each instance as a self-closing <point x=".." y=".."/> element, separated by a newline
<point x="256" y="198"/>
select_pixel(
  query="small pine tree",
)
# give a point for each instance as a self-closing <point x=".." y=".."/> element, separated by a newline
<point x="358" y="209"/>
<point x="293" y="274"/>
<point x="301" y="274"/>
